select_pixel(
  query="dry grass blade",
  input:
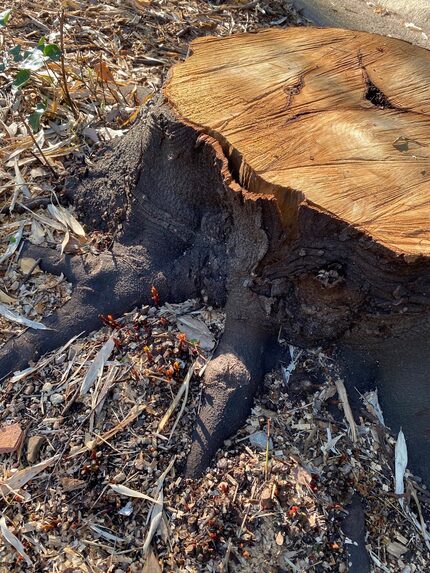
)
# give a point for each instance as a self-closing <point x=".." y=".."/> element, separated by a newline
<point x="183" y="389"/>
<point x="156" y="512"/>
<point x="155" y="517"/>
<point x="24" y="373"/>
<point x="103" y="532"/>
<point x="131" y="416"/>
<point x="100" y="394"/>
<point x="343" y="397"/>
<point x="421" y="526"/>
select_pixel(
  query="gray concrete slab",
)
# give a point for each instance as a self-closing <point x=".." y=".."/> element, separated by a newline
<point x="405" y="19"/>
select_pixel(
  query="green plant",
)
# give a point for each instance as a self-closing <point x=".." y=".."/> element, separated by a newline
<point x="25" y="65"/>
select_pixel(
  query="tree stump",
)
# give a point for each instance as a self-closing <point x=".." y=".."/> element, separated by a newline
<point x="285" y="175"/>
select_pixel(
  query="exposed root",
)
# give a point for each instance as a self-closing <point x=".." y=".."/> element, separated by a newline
<point x="52" y="262"/>
<point x="231" y="381"/>
<point x="106" y="284"/>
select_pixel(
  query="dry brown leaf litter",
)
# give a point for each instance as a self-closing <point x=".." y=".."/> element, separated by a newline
<point x="75" y="499"/>
<point x="273" y="500"/>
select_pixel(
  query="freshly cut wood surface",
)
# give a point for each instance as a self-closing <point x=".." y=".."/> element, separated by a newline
<point x="337" y="118"/>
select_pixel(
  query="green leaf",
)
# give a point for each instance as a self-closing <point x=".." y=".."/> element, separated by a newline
<point x="41" y="43"/>
<point x="21" y="78"/>
<point x="4" y="17"/>
<point x="16" y="53"/>
<point x="52" y="51"/>
<point x="36" y="116"/>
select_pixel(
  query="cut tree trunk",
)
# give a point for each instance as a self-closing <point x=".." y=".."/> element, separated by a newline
<point x="285" y="175"/>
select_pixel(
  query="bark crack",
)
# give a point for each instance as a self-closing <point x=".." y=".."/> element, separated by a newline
<point x="373" y="93"/>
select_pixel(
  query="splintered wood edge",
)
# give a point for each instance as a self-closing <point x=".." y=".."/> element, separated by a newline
<point x="336" y="119"/>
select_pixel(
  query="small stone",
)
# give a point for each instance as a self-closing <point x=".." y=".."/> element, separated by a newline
<point x="56" y="399"/>
<point x="29" y="389"/>
<point x="47" y="387"/>
<point x="259" y="440"/>
<point x="266" y="501"/>
<point x="10" y="438"/>
<point x="222" y="463"/>
<point x="120" y="477"/>
<point x="279" y="539"/>
<point x="33" y="448"/>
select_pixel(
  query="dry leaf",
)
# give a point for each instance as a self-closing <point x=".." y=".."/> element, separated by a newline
<point x="196" y="329"/>
<point x="14" y="541"/>
<point x="15" y="317"/>
<point x="20" y="186"/>
<point x="67" y="219"/>
<point x="14" y="242"/>
<point x="401" y="461"/>
<point x="106" y="534"/>
<point x="151" y="564"/>
<point x="18" y="480"/>
<point x="37" y="235"/>
<point x="6" y="298"/>
<point x="97" y="366"/>
<point x="124" y="490"/>
<point x="103" y="72"/>
<point x="27" y="264"/>
<point x="397" y="549"/>
<point x="72" y="484"/>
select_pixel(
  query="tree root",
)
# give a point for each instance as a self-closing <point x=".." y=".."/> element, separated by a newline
<point x="111" y="283"/>
<point x="231" y="381"/>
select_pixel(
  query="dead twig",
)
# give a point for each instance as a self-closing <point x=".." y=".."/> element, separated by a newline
<point x="63" y="69"/>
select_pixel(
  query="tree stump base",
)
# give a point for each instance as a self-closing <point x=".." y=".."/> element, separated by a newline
<point x="285" y="175"/>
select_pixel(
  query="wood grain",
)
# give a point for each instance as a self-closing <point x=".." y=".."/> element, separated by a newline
<point x="334" y="118"/>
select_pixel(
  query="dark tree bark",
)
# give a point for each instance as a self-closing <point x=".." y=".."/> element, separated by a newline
<point x="191" y="215"/>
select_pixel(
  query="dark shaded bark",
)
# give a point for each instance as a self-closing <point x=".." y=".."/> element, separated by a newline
<point x="182" y="223"/>
<point x="354" y="528"/>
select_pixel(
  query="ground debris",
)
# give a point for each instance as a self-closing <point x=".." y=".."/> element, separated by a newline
<point x="113" y="433"/>
<point x="114" y="476"/>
